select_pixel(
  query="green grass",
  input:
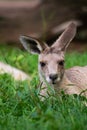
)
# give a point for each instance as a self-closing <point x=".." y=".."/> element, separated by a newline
<point x="19" y="59"/>
<point x="20" y="106"/>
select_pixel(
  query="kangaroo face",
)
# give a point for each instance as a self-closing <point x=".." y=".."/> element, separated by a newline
<point x="51" y="66"/>
<point x="51" y="59"/>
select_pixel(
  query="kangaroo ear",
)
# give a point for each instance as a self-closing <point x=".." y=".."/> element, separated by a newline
<point x="66" y="37"/>
<point x="32" y="45"/>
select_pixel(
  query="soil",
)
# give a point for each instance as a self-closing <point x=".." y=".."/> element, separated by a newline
<point x="33" y="18"/>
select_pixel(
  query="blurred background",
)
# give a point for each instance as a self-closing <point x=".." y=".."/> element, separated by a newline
<point x="43" y="19"/>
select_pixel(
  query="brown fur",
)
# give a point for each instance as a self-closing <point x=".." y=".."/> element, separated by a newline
<point x="51" y="64"/>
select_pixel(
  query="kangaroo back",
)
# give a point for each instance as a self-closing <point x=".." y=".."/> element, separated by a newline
<point x="78" y="76"/>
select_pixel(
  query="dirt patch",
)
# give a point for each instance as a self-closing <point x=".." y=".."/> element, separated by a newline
<point x="35" y="18"/>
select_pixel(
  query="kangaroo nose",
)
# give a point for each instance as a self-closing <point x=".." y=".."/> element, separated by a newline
<point x="53" y="76"/>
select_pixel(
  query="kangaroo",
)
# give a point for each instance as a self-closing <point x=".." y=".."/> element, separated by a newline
<point x="51" y="63"/>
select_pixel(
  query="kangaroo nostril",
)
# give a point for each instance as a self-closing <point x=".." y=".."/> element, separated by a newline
<point x="53" y="76"/>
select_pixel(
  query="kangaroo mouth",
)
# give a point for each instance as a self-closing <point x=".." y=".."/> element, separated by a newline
<point x="53" y="82"/>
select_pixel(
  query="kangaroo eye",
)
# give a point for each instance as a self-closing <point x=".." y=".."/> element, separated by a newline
<point x="42" y="64"/>
<point x="61" y="63"/>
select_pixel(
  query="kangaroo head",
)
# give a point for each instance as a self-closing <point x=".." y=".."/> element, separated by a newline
<point x="51" y="59"/>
